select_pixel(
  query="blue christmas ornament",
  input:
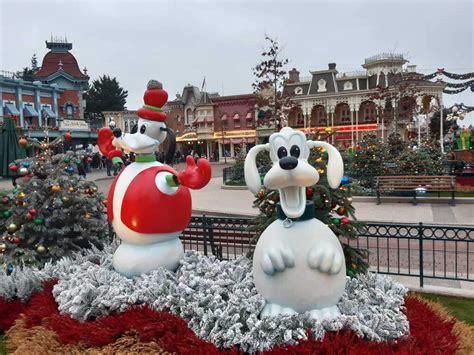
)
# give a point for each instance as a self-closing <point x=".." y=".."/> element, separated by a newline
<point x="345" y="180"/>
<point x="9" y="269"/>
<point x="26" y="164"/>
<point x="70" y="170"/>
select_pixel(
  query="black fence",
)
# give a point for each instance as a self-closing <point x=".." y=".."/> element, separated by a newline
<point x="235" y="176"/>
<point x="416" y="250"/>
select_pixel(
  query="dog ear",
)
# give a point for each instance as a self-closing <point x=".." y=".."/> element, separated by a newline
<point x="252" y="177"/>
<point x="335" y="167"/>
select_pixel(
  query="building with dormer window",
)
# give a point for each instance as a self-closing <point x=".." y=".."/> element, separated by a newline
<point x="342" y="100"/>
<point x="54" y="98"/>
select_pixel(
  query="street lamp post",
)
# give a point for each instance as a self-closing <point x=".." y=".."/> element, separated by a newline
<point x="223" y="140"/>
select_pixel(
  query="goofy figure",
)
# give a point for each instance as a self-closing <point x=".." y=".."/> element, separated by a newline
<point x="149" y="204"/>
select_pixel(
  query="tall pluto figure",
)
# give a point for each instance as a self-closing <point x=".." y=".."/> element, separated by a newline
<point x="149" y="204"/>
<point x="298" y="263"/>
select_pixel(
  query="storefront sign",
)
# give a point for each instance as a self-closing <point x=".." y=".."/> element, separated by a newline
<point x="74" y="125"/>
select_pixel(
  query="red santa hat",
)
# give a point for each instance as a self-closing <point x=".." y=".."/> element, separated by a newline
<point x="155" y="98"/>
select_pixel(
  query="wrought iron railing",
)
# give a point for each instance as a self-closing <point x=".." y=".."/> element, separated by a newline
<point x="416" y="250"/>
<point x="235" y="176"/>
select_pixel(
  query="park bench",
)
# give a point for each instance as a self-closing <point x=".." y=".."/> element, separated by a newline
<point x="415" y="184"/>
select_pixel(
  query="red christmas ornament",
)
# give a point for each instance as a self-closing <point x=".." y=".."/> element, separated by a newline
<point x="345" y="220"/>
<point x="67" y="136"/>
<point x="309" y="192"/>
<point x="33" y="211"/>
<point x="13" y="168"/>
<point x="29" y="216"/>
<point x="5" y="200"/>
<point x="16" y="240"/>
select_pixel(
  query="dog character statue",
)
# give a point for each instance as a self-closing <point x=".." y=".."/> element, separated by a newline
<point x="298" y="263"/>
<point x="149" y="204"/>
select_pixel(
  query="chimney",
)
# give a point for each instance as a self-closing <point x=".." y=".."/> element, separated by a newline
<point x="332" y="66"/>
<point x="294" y="75"/>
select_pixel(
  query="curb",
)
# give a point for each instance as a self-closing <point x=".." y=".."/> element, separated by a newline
<point x="233" y="187"/>
<point x="105" y="178"/>
<point x="210" y="213"/>
<point x="401" y="199"/>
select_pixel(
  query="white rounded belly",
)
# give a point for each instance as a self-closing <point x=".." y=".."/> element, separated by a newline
<point x="122" y="231"/>
<point x="300" y="287"/>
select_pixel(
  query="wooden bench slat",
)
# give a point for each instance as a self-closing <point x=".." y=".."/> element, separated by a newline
<point x="406" y="183"/>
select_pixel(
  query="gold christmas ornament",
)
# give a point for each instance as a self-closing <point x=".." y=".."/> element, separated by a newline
<point x="88" y="216"/>
<point x="70" y="189"/>
<point x="12" y="228"/>
<point x="319" y="160"/>
<point x="21" y="195"/>
<point x="328" y="130"/>
<point x="261" y="194"/>
<point x="94" y="189"/>
<point x="41" y="249"/>
<point x="340" y="211"/>
<point x="3" y="247"/>
<point x="55" y="188"/>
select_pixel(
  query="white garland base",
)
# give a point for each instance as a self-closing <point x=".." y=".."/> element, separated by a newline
<point x="216" y="298"/>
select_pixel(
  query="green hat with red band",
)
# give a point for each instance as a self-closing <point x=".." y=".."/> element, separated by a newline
<point x="155" y="98"/>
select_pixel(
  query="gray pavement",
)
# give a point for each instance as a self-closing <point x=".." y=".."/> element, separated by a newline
<point x="214" y="199"/>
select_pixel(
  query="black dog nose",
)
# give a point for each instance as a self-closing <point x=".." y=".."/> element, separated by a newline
<point x="117" y="132"/>
<point x="288" y="163"/>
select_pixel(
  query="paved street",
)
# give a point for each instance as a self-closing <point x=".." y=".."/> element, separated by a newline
<point x="213" y="199"/>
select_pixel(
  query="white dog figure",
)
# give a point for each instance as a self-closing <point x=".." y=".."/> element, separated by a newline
<point x="298" y="263"/>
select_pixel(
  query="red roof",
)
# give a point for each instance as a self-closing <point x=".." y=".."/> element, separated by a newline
<point x="51" y="64"/>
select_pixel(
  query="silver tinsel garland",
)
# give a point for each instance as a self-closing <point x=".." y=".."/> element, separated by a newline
<point x="216" y="298"/>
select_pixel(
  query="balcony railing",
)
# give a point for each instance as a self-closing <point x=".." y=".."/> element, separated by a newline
<point x="7" y="74"/>
<point x="305" y="79"/>
<point x="351" y="74"/>
<point x="384" y="56"/>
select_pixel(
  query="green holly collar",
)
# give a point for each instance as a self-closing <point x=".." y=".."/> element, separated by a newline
<point x="307" y="214"/>
<point x="146" y="158"/>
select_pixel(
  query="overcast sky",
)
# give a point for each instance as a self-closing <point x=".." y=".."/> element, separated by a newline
<point x="180" y="42"/>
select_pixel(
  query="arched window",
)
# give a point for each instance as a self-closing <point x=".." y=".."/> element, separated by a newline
<point x="348" y="85"/>
<point x="299" y="90"/>
<point x="322" y="85"/>
<point x="69" y="110"/>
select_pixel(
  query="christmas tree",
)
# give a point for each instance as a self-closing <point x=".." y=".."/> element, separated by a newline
<point x="332" y="207"/>
<point x="425" y="159"/>
<point x="51" y="213"/>
<point x="368" y="160"/>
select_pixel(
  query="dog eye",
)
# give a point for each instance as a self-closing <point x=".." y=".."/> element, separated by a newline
<point x="142" y="129"/>
<point x="295" y="151"/>
<point x="134" y="129"/>
<point x="282" y="152"/>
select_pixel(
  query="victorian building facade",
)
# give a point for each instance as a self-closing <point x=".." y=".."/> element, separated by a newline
<point x="347" y="102"/>
<point x="53" y="100"/>
<point x="212" y="125"/>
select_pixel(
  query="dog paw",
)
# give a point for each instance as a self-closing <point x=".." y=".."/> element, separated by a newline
<point x="274" y="309"/>
<point x="325" y="257"/>
<point x="277" y="259"/>
<point x="325" y="313"/>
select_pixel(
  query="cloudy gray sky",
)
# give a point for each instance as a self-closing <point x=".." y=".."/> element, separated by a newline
<point x="180" y="42"/>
